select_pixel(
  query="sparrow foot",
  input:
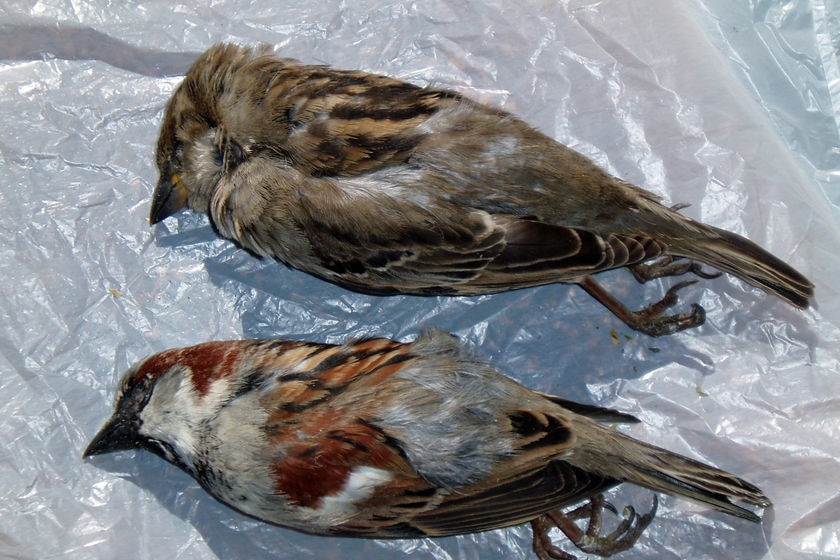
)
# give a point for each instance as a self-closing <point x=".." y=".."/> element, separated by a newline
<point x="650" y="320"/>
<point x="669" y="266"/>
<point x="590" y="541"/>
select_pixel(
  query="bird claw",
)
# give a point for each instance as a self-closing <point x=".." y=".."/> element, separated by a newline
<point x="650" y="320"/>
<point x="590" y="541"/>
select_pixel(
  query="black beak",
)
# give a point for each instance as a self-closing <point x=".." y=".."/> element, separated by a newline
<point x="117" y="434"/>
<point x="170" y="196"/>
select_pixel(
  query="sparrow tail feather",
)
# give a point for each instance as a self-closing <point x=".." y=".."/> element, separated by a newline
<point x="633" y="461"/>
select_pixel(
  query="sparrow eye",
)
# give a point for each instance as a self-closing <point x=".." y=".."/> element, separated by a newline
<point x="164" y="450"/>
<point x="177" y="150"/>
<point x="218" y="156"/>
<point x="227" y="154"/>
<point x="138" y="393"/>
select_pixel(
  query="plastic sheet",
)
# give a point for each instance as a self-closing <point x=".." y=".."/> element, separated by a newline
<point x="729" y="106"/>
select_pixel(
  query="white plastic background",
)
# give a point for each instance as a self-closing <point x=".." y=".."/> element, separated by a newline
<point x="729" y="106"/>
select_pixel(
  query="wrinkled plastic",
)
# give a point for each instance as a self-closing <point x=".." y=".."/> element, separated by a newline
<point x="729" y="106"/>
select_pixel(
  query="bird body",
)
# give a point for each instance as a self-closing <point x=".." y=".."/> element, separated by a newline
<point x="386" y="187"/>
<point x="377" y="438"/>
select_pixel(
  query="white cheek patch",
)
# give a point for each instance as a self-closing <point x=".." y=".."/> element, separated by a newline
<point x="360" y="486"/>
<point x="174" y="411"/>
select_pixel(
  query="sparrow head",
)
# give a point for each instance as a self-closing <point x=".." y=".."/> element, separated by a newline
<point x="129" y="426"/>
<point x="160" y="403"/>
<point x="192" y="149"/>
<point x="183" y="155"/>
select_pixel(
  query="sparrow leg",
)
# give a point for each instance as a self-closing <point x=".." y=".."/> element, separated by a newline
<point x="590" y="541"/>
<point x="649" y="320"/>
<point x="669" y="266"/>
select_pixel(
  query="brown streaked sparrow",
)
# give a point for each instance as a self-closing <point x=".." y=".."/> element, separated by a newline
<point x="385" y="187"/>
<point x="377" y="438"/>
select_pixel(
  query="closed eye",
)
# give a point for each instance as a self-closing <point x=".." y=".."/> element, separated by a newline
<point x="227" y="154"/>
<point x="163" y="450"/>
<point x="171" y="159"/>
<point x="218" y="156"/>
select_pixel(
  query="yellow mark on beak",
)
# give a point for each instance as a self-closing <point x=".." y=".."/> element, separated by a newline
<point x="176" y="181"/>
<point x="170" y="195"/>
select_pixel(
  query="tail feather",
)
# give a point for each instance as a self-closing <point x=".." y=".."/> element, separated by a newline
<point x="729" y="252"/>
<point x="675" y="474"/>
<point x="609" y="453"/>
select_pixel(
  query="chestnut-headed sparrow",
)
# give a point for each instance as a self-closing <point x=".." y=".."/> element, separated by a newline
<point x="376" y="438"/>
<point x="385" y="187"/>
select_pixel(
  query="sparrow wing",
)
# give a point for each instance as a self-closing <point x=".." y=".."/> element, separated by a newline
<point x="513" y="500"/>
<point x="375" y="234"/>
<point x="381" y="241"/>
<point x="527" y="483"/>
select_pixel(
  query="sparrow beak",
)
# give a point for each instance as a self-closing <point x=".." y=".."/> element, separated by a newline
<point x="118" y="434"/>
<point x="170" y="196"/>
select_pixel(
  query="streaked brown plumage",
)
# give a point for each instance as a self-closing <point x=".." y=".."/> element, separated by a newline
<point x="385" y="187"/>
<point x="377" y="438"/>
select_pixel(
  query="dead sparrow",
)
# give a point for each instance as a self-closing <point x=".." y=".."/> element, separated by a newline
<point x="377" y="438"/>
<point x="385" y="187"/>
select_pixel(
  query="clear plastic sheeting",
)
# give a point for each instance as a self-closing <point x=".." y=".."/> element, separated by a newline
<point x="728" y="106"/>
